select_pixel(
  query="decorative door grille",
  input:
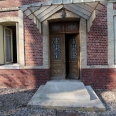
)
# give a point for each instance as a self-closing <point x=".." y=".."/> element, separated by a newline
<point x="56" y="49"/>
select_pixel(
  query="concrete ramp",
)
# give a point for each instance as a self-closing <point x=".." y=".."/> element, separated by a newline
<point x="66" y="94"/>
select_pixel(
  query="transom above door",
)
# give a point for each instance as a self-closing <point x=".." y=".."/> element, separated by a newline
<point x="64" y="50"/>
<point x="64" y="27"/>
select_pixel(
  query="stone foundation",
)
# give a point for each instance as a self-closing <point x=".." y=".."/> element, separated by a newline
<point x="99" y="78"/>
<point x="32" y="78"/>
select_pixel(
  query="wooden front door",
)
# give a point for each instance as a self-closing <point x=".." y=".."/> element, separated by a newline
<point x="73" y="56"/>
<point x="64" y="50"/>
<point x="57" y="43"/>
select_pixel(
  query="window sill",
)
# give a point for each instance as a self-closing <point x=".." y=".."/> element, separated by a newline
<point x="10" y="66"/>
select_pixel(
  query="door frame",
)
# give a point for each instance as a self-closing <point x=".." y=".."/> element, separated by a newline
<point x="57" y="20"/>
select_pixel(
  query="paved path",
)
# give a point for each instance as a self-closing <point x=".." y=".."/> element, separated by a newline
<point x="13" y="103"/>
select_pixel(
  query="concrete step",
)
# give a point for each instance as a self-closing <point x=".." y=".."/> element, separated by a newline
<point x="65" y="94"/>
<point x="64" y="90"/>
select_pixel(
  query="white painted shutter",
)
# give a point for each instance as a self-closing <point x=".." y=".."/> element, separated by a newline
<point x="1" y="45"/>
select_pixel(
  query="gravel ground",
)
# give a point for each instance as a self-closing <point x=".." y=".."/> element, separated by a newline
<point x="13" y="103"/>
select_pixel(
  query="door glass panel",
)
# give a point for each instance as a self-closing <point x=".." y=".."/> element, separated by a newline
<point x="73" y="49"/>
<point x="72" y="27"/>
<point x="56" y="51"/>
<point x="55" y="28"/>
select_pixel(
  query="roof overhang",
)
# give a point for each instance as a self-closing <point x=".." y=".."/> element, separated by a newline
<point x="87" y="9"/>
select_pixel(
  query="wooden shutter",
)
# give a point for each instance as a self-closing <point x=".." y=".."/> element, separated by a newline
<point x="1" y="45"/>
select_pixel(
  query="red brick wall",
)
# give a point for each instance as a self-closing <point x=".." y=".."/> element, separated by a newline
<point x="9" y="14"/>
<point x="99" y="78"/>
<point x="114" y="6"/>
<point x="23" y="78"/>
<point x="33" y="40"/>
<point x="16" y="3"/>
<point x="33" y="44"/>
<point x="97" y="40"/>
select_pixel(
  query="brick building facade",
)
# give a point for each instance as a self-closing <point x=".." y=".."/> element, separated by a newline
<point x="31" y="63"/>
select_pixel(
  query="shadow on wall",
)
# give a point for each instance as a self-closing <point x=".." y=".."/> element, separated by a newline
<point x="33" y="44"/>
<point x="23" y="78"/>
<point x="34" y="50"/>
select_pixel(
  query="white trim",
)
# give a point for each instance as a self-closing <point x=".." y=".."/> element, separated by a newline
<point x="10" y="66"/>
<point x="33" y="67"/>
<point x="20" y="41"/>
<point x="17" y="38"/>
<point x="115" y="39"/>
<point x="17" y="66"/>
<point x="90" y="20"/>
<point x="110" y="24"/>
<point x="9" y="9"/>
<point x="83" y="44"/>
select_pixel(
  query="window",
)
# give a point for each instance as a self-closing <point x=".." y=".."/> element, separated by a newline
<point x="8" y="45"/>
<point x="8" y="50"/>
